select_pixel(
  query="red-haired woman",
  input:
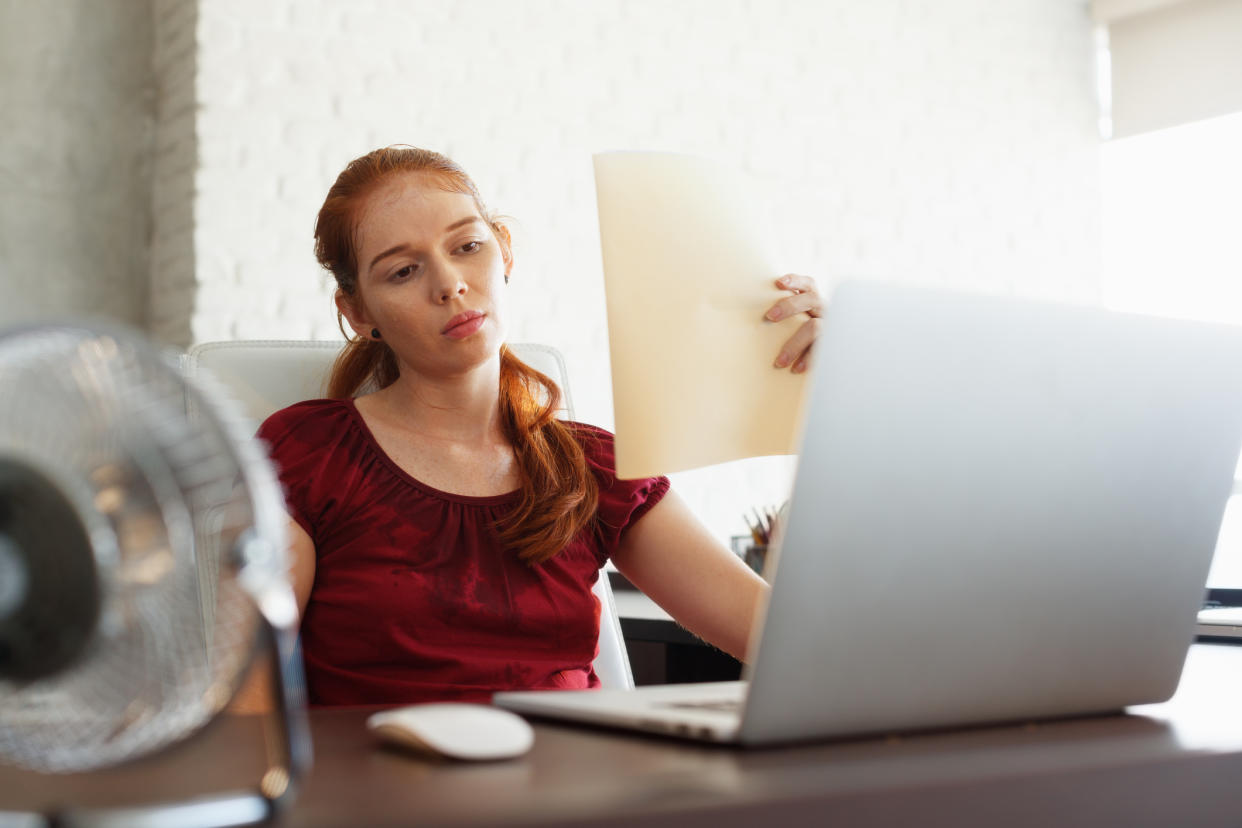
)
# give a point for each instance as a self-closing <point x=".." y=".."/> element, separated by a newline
<point x="446" y="528"/>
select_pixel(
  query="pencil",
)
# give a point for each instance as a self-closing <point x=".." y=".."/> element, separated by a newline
<point x="755" y="533"/>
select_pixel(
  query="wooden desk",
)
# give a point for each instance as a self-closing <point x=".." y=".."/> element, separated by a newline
<point x="1178" y="763"/>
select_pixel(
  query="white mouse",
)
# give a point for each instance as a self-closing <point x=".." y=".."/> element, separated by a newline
<point x="455" y="730"/>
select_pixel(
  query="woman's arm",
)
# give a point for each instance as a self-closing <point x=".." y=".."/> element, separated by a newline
<point x="671" y="556"/>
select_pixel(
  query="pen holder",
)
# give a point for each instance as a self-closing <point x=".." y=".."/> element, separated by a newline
<point x="755" y="557"/>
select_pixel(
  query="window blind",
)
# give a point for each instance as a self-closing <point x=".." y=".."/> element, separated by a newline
<point x="1171" y="61"/>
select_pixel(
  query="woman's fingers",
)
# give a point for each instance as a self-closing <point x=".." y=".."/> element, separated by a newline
<point x="797" y="283"/>
<point x="809" y="303"/>
<point x="797" y="349"/>
<point x="805" y="298"/>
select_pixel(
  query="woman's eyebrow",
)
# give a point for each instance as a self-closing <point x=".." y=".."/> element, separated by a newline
<point x="462" y="222"/>
<point x="395" y="249"/>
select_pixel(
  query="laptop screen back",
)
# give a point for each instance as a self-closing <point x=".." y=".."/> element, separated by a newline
<point x="1002" y="510"/>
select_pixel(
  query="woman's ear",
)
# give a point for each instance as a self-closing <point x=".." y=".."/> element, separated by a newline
<point x="506" y="246"/>
<point x="353" y="315"/>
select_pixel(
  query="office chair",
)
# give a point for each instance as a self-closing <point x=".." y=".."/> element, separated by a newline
<point x="267" y="375"/>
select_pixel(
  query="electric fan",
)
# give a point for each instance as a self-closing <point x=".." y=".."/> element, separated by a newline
<point x="141" y="566"/>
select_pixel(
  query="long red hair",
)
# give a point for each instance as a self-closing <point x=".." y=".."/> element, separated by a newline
<point x="559" y="495"/>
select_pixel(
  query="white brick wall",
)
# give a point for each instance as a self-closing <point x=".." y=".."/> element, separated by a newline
<point x="947" y="141"/>
<point x="76" y="97"/>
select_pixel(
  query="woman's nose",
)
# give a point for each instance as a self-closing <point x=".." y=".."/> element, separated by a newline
<point x="452" y="289"/>
<point x="449" y="284"/>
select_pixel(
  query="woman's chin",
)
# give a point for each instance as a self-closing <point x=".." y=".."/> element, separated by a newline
<point x="473" y="352"/>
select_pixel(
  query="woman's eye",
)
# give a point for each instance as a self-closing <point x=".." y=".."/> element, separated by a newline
<point x="404" y="272"/>
<point x="471" y="246"/>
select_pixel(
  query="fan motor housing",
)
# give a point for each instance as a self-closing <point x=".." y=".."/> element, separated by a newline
<point x="49" y="586"/>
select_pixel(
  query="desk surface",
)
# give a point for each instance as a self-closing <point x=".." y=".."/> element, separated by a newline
<point x="634" y="605"/>
<point x="1174" y="763"/>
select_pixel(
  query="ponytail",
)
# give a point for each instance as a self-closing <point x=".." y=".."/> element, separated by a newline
<point x="559" y="494"/>
<point x="363" y="364"/>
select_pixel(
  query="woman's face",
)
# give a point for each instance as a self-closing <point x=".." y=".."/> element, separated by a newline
<point x="431" y="275"/>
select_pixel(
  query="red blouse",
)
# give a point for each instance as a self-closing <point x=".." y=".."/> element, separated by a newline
<point x="414" y="599"/>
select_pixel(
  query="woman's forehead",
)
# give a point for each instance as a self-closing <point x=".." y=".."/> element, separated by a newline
<point x="409" y="203"/>
<point x="416" y="190"/>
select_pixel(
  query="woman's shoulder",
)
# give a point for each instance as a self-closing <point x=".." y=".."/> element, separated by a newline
<point x="598" y="444"/>
<point x="586" y="431"/>
<point x="305" y="419"/>
<point x="595" y="441"/>
<point x="621" y="502"/>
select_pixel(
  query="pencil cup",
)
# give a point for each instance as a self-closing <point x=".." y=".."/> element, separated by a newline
<point x="755" y="556"/>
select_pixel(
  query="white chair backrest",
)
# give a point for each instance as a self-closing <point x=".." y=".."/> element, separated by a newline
<point x="265" y="376"/>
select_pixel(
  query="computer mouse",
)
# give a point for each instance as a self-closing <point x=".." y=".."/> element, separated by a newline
<point x="456" y="730"/>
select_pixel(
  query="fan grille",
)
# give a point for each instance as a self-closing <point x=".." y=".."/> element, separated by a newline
<point x="166" y="500"/>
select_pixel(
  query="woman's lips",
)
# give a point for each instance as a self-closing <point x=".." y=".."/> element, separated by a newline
<point x="464" y="324"/>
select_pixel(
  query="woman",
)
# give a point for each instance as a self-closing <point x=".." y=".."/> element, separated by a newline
<point x="446" y="528"/>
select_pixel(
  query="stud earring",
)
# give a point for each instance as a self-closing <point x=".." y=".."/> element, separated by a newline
<point x="375" y="333"/>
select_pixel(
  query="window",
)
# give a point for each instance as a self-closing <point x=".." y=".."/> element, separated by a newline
<point x="1172" y="243"/>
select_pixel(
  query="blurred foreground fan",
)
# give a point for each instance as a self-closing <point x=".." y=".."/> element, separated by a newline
<point x="141" y="563"/>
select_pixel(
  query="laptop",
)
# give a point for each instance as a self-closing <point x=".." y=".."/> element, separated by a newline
<point x="1003" y="511"/>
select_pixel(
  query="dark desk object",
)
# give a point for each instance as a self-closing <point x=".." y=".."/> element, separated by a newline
<point x="661" y="651"/>
<point x="1178" y="763"/>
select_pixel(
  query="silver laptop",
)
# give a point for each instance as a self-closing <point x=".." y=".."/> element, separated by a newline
<point x="1003" y="510"/>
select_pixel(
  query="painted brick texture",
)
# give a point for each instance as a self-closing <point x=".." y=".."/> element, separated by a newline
<point x="75" y="220"/>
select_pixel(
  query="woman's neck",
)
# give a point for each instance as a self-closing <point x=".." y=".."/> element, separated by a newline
<point x="462" y="409"/>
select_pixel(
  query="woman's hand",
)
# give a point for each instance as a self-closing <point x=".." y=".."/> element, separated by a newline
<point x="807" y="299"/>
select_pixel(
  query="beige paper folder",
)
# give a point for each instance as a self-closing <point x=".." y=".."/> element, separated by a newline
<point x="688" y="280"/>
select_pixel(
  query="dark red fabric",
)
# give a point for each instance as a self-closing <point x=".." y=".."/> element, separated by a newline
<point x="414" y="600"/>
